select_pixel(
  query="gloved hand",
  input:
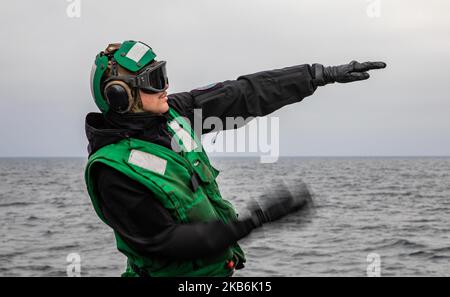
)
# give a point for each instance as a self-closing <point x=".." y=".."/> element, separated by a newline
<point x="354" y="71"/>
<point x="280" y="206"/>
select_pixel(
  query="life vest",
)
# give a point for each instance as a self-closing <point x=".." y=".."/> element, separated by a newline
<point x="184" y="183"/>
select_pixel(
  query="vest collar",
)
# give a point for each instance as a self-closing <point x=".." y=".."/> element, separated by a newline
<point x="103" y="129"/>
<point x="136" y="121"/>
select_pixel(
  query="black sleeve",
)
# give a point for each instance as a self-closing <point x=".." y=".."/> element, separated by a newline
<point x="252" y="95"/>
<point x="132" y="211"/>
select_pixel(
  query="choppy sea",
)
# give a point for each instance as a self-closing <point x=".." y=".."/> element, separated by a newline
<point x="395" y="210"/>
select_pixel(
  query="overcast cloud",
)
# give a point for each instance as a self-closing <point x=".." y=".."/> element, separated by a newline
<point x="46" y="57"/>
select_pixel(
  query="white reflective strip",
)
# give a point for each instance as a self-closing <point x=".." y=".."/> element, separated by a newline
<point x="175" y="126"/>
<point x="93" y="70"/>
<point x="188" y="142"/>
<point x="147" y="161"/>
<point x="137" y="51"/>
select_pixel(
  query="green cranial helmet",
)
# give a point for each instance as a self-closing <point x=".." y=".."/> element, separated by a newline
<point x="131" y="56"/>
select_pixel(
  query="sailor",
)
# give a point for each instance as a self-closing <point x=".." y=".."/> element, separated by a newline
<point x="148" y="176"/>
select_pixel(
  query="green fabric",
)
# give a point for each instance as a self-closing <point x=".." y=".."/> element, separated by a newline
<point x="127" y="63"/>
<point x="172" y="189"/>
<point x="99" y="68"/>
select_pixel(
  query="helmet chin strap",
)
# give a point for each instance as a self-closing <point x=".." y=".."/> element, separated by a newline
<point x="114" y="70"/>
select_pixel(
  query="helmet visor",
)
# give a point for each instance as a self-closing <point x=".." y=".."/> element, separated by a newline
<point x="153" y="79"/>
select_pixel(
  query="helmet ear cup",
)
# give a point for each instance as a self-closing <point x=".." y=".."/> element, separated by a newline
<point x="119" y="96"/>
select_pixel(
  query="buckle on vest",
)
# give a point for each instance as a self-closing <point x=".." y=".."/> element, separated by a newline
<point x="195" y="182"/>
<point x="233" y="263"/>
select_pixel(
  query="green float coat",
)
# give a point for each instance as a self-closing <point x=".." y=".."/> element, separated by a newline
<point x="167" y="175"/>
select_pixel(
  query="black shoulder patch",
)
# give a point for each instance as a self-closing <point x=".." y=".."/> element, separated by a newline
<point x="207" y="88"/>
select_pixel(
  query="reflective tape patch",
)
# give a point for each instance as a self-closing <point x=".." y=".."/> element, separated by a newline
<point x="207" y="87"/>
<point x="175" y="126"/>
<point x="137" y="51"/>
<point x="93" y="70"/>
<point x="147" y="161"/>
<point x="188" y="142"/>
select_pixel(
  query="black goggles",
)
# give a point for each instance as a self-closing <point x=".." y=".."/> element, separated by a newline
<point x="152" y="79"/>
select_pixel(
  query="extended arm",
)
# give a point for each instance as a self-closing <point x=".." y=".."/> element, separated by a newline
<point x="264" y="92"/>
<point x="250" y="95"/>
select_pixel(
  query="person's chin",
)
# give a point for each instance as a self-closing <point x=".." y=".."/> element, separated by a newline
<point x="165" y="108"/>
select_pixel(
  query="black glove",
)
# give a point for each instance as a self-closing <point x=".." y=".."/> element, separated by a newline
<point x="351" y="72"/>
<point x="283" y="204"/>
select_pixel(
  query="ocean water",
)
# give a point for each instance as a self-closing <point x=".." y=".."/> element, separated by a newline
<point x="397" y="208"/>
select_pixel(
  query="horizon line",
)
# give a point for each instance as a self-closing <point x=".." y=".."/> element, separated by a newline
<point x="237" y="156"/>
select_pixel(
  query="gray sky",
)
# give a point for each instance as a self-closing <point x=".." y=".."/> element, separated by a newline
<point x="46" y="58"/>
